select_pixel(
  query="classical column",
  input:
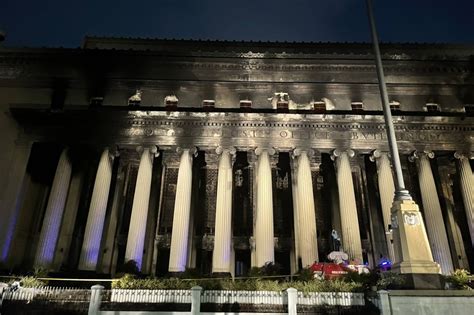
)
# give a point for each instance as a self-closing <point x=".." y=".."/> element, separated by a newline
<point x="182" y="211"/>
<point x="306" y="215"/>
<point x="97" y="209"/>
<point x="12" y="196"/>
<point x="221" y="256"/>
<point x="432" y="212"/>
<point x="264" y="237"/>
<point x="467" y="190"/>
<point x="351" y="242"/>
<point x="387" y="193"/>
<point x="141" y="199"/>
<point x="54" y="212"/>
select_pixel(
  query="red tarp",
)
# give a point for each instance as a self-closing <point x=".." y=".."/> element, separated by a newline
<point x="329" y="270"/>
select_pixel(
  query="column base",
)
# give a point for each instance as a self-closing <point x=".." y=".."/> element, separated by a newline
<point x="417" y="267"/>
<point x="422" y="281"/>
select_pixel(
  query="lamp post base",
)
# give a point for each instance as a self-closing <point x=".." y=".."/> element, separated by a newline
<point x="414" y="260"/>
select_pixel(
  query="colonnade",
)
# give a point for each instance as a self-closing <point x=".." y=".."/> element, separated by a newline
<point x="303" y="199"/>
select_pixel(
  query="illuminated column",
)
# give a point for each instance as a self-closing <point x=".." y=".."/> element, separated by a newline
<point x="221" y="256"/>
<point x="351" y="242"/>
<point x="141" y="199"/>
<point x="182" y="211"/>
<point x="97" y="209"/>
<point x="432" y="212"/>
<point x="306" y="216"/>
<point x="467" y="190"/>
<point x="264" y="241"/>
<point x="387" y="193"/>
<point x="12" y="197"/>
<point x="54" y="212"/>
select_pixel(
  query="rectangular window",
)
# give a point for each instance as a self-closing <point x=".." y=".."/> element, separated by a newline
<point x="319" y="107"/>
<point x="469" y="108"/>
<point x="394" y="106"/>
<point x="208" y="104"/>
<point x="245" y="104"/>
<point x="357" y="106"/>
<point x="431" y="108"/>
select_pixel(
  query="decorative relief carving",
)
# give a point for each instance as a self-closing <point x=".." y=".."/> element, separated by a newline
<point x="411" y="218"/>
<point x="303" y="134"/>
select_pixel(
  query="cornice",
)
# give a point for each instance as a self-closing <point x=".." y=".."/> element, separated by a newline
<point x="250" y="64"/>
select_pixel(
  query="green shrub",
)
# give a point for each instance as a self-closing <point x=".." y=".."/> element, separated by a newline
<point x="269" y="269"/>
<point x="40" y="272"/>
<point x="366" y="280"/>
<point x="390" y="280"/>
<point x="459" y="279"/>
<point x="129" y="281"/>
<point x="30" y="282"/>
<point x="341" y="285"/>
<point x="305" y="274"/>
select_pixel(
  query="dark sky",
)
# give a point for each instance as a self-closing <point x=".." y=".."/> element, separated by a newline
<point x="66" y="22"/>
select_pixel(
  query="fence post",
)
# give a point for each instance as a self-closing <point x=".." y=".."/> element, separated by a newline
<point x="3" y="290"/>
<point x="384" y="302"/>
<point x="292" y="300"/>
<point x="196" y="300"/>
<point x="96" y="299"/>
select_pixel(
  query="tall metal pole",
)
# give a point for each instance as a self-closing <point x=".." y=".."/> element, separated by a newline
<point x="413" y="256"/>
<point x="401" y="193"/>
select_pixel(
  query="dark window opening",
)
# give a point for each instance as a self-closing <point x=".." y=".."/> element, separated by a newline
<point x="245" y="104"/>
<point x="319" y="107"/>
<point x="469" y="109"/>
<point x="357" y="107"/>
<point x="394" y="107"/>
<point x="208" y="104"/>
<point x="432" y="108"/>
<point x="96" y="101"/>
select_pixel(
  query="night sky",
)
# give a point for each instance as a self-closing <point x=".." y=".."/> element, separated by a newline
<point x="65" y="23"/>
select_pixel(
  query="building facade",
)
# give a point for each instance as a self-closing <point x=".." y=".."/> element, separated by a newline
<point x="221" y="156"/>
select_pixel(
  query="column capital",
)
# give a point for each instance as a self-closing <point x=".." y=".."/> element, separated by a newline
<point x="231" y="150"/>
<point x="270" y="150"/>
<point x="418" y="154"/>
<point x="337" y="153"/>
<point x="299" y="150"/>
<point x="114" y="150"/>
<point x="153" y="150"/>
<point x="374" y="155"/>
<point x="460" y="155"/>
<point x="192" y="150"/>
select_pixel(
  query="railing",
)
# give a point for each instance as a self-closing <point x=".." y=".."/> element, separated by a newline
<point x="150" y="296"/>
<point x="288" y="299"/>
<point x="331" y="298"/>
<point x="47" y="293"/>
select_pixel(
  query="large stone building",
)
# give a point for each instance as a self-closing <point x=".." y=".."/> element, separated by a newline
<point x="225" y="155"/>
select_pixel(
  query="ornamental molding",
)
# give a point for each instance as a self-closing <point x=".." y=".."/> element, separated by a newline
<point x="247" y="62"/>
<point x="299" y="125"/>
<point x="246" y="131"/>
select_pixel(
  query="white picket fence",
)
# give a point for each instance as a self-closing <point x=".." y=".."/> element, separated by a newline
<point x="150" y="296"/>
<point x="244" y="297"/>
<point x="97" y="295"/>
<point x="331" y="298"/>
<point x="46" y="293"/>
<point x="241" y="297"/>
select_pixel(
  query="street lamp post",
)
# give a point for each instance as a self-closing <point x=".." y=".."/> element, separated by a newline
<point x="413" y="257"/>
